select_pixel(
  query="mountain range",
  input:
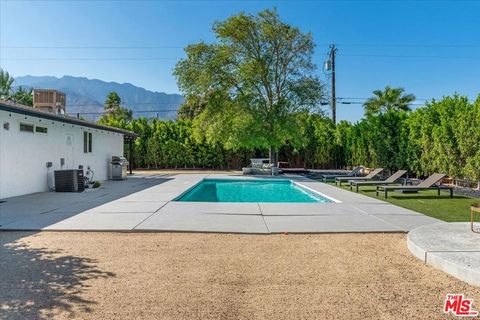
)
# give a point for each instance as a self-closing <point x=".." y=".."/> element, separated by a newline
<point x="86" y="96"/>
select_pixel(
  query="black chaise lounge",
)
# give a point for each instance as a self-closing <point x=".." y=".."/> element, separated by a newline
<point x="390" y="180"/>
<point x="370" y="176"/>
<point x="427" y="184"/>
<point x="353" y="173"/>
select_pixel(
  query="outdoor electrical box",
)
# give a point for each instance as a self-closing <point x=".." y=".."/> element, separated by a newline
<point x="328" y="65"/>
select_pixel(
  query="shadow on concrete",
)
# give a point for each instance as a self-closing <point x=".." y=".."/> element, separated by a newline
<point x="38" y="283"/>
<point x="39" y="210"/>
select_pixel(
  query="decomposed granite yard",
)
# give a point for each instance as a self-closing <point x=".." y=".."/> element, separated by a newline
<point x="94" y="275"/>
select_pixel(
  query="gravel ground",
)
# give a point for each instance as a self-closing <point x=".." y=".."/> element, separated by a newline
<point x="54" y="275"/>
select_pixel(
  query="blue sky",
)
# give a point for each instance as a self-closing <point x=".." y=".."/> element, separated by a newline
<point x="431" y="48"/>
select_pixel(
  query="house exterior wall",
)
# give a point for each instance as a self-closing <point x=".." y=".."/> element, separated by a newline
<point x="23" y="155"/>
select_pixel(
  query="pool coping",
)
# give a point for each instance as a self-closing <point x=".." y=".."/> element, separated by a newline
<point x="317" y="192"/>
<point x="177" y="198"/>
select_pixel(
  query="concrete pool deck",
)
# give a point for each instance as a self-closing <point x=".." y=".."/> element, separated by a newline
<point x="144" y="203"/>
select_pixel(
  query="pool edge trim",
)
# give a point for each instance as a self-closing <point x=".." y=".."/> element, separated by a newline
<point x="176" y="199"/>
<point x="317" y="192"/>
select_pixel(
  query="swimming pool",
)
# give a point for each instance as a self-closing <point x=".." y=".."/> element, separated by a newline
<point x="237" y="190"/>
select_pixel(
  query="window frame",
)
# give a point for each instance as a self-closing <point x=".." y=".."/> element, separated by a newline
<point x="26" y="124"/>
<point x="87" y="142"/>
<point x="90" y="142"/>
<point x="40" y="132"/>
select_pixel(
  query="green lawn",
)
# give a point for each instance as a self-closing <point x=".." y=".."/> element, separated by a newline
<point x="428" y="202"/>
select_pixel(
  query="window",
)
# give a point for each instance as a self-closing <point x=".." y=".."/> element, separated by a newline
<point x="90" y="142"/>
<point x="87" y="142"/>
<point x="25" y="127"/>
<point x="41" y="129"/>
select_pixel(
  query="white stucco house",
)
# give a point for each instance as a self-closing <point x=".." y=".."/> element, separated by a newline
<point x="32" y="137"/>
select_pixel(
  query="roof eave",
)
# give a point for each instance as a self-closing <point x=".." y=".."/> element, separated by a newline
<point x="29" y="111"/>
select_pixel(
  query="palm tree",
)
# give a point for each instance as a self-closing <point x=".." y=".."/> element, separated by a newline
<point x="23" y="96"/>
<point x="6" y="82"/>
<point x="112" y="102"/>
<point x="390" y="99"/>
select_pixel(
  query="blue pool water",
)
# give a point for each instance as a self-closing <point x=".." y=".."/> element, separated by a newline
<point x="217" y="190"/>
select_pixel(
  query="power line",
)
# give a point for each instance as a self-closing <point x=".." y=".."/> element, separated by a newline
<point x="342" y="101"/>
<point x="133" y="111"/>
<point x="252" y="1"/>
<point x="410" y="45"/>
<point x="127" y="104"/>
<point x="178" y="58"/>
<point x="121" y="47"/>
<point x="91" y="47"/>
<point x="417" y="99"/>
<point x="410" y="56"/>
<point x="90" y="59"/>
<point x="362" y="103"/>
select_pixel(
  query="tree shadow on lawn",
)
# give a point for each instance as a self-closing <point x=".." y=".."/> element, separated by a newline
<point x="39" y="283"/>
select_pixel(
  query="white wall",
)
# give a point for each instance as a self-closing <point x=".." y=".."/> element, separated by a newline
<point x="23" y="155"/>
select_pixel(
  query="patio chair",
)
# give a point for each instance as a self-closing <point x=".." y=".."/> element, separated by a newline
<point x="370" y="176"/>
<point x="353" y="173"/>
<point x="390" y="180"/>
<point x="427" y="184"/>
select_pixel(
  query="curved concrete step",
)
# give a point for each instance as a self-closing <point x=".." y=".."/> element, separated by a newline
<point x="450" y="247"/>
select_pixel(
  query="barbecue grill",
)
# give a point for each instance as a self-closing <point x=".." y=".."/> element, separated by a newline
<point x="118" y="168"/>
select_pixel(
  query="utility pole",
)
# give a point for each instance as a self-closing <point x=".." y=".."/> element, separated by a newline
<point x="332" y="53"/>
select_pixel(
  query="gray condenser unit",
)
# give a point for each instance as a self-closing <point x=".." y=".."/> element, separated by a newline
<point x="69" y="180"/>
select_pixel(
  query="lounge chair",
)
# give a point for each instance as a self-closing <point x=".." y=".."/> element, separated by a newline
<point x="370" y="176"/>
<point x="427" y="184"/>
<point x="286" y="167"/>
<point x="390" y="180"/>
<point x="353" y="173"/>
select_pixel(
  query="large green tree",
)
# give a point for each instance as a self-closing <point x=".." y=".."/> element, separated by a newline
<point x="388" y="99"/>
<point x="254" y="80"/>
<point x="6" y="82"/>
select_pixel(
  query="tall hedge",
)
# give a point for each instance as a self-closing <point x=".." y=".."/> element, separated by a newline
<point x="443" y="136"/>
